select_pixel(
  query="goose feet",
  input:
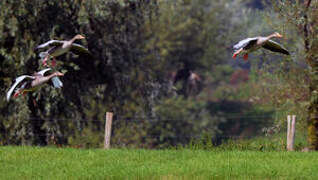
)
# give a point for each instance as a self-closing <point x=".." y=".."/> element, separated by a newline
<point x="19" y="92"/>
<point x="16" y="94"/>
<point x="245" y="57"/>
<point x="236" y="53"/>
<point x="53" y="63"/>
<point x="44" y="61"/>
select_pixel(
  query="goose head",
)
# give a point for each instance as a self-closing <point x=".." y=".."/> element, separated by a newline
<point x="58" y="74"/>
<point x="79" y="37"/>
<point x="277" y="35"/>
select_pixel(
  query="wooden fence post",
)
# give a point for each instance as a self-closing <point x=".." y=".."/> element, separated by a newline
<point x="108" y="129"/>
<point x="291" y="122"/>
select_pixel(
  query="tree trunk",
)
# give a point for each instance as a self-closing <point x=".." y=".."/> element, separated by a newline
<point x="312" y="61"/>
<point x="313" y="108"/>
<point x="313" y="119"/>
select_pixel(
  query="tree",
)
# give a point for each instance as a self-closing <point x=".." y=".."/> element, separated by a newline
<point x="112" y="30"/>
<point x="304" y="16"/>
<point x="136" y="45"/>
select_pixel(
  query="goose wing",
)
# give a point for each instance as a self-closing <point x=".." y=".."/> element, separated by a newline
<point x="50" y="44"/>
<point x="18" y="80"/>
<point x="42" y="72"/>
<point x="246" y="43"/>
<point x="79" y="49"/>
<point x="275" y="47"/>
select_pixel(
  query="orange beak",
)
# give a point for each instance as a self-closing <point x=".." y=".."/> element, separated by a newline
<point x="279" y="35"/>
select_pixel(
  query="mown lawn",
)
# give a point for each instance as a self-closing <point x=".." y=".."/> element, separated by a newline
<point x="67" y="163"/>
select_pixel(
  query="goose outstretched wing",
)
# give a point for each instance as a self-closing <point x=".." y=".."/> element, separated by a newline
<point x="245" y="43"/>
<point x="275" y="47"/>
<point x="50" y="44"/>
<point x="18" y="80"/>
<point x="42" y="72"/>
<point x="79" y="49"/>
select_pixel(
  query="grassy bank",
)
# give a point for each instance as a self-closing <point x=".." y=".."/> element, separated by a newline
<point x="66" y="163"/>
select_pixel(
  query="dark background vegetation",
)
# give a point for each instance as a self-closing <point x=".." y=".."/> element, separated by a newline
<point x="163" y="67"/>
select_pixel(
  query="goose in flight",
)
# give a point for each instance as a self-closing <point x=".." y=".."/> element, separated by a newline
<point x="56" y="48"/>
<point x="27" y="83"/>
<point x="252" y="44"/>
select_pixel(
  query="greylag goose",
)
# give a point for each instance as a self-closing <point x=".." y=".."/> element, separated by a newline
<point x="31" y="83"/>
<point x="252" y="44"/>
<point x="57" y="48"/>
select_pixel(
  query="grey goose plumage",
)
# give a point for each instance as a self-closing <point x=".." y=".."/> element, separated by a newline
<point x="57" y="47"/>
<point x="252" y="44"/>
<point x="28" y="83"/>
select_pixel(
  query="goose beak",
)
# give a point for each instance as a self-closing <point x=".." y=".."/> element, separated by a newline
<point x="81" y="37"/>
<point x="279" y="35"/>
<point x="59" y="74"/>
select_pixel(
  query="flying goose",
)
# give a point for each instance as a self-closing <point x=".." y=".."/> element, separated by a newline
<point x="27" y="83"/>
<point x="252" y="44"/>
<point x="57" y="48"/>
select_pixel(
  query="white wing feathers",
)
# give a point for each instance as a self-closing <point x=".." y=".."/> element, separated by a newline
<point x="43" y="71"/>
<point x="243" y="43"/>
<point x="18" y="80"/>
<point x="50" y="43"/>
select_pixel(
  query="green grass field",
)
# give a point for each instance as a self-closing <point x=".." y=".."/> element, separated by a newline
<point x="66" y="163"/>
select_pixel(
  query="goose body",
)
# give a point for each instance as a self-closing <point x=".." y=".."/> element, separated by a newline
<point x="27" y="83"/>
<point x="249" y="45"/>
<point x="57" y="48"/>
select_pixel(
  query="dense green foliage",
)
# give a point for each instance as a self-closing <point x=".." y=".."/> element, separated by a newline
<point x="52" y="163"/>
<point x="163" y="67"/>
<point x="302" y="16"/>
